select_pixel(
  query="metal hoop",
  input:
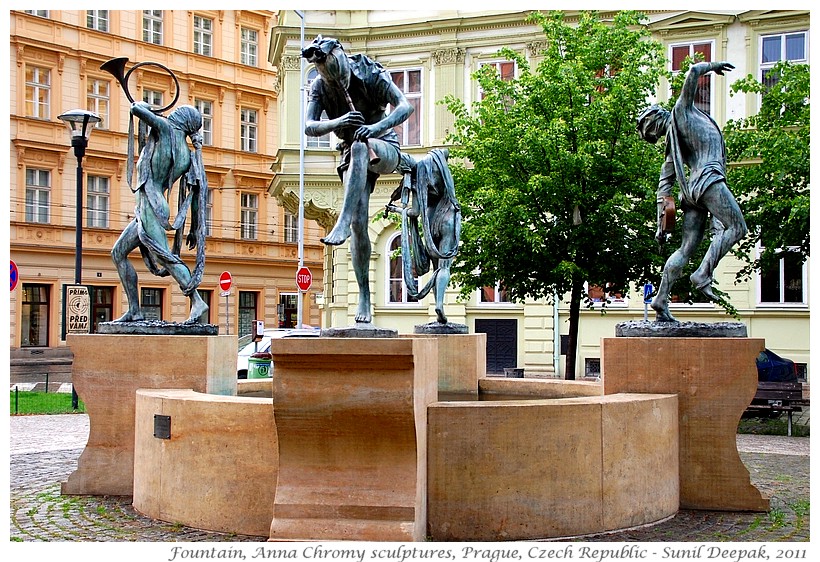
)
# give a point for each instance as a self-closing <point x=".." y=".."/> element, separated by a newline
<point x="151" y="63"/>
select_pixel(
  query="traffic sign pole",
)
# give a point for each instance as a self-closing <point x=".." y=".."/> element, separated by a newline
<point x="304" y="279"/>
<point x="225" y="281"/>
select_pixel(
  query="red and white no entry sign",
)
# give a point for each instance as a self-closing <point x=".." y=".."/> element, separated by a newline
<point x="225" y="281"/>
<point x="304" y="279"/>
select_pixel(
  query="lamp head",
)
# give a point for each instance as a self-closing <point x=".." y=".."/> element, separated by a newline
<point x="80" y="123"/>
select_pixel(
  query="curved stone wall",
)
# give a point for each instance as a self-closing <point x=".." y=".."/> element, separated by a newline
<point x="218" y="469"/>
<point x="497" y="470"/>
<point x="531" y="469"/>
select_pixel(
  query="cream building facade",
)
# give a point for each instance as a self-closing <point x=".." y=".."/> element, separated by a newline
<point x="431" y="54"/>
<point x="219" y="58"/>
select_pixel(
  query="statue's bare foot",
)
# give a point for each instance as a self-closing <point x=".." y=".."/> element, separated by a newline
<point x="363" y="314"/>
<point x="704" y="285"/>
<point x="197" y="311"/>
<point x="130" y="317"/>
<point x="662" y="313"/>
<point x="442" y="319"/>
<point x="337" y="236"/>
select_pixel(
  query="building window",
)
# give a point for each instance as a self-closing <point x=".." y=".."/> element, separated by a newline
<point x="97" y="202"/>
<point x="323" y="141"/>
<point x="153" y="97"/>
<point x="249" y="210"/>
<point x="592" y="367"/>
<point x="248" y="46"/>
<point x="97" y="99"/>
<point x="151" y="303"/>
<point x="494" y="294"/>
<point x="784" y="282"/>
<point x="703" y="97"/>
<point x="505" y="69"/>
<point x="606" y="295"/>
<point x="207" y="296"/>
<point x="782" y="47"/>
<point x="291" y="229"/>
<point x="38" y="195"/>
<point x="247" y="311"/>
<point x="96" y="19"/>
<point x="152" y="26"/>
<point x="206" y="108"/>
<point x="248" y="129"/>
<point x="102" y="306"/>
<point x="287" y="310"/>
<point x="41" y="13"/>
<point x="38" y="92"/>
<point x="209" y="213"/>
<point x="409" y="82"/>
<point x="34" y="316"/>
<point x="203" y="36"/>
<point x="396" y="290"/>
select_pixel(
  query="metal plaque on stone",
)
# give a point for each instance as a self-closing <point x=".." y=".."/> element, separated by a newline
<point x="162" y="426"/>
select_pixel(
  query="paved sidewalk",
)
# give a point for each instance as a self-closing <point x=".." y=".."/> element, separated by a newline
<point x="44" y="451"/>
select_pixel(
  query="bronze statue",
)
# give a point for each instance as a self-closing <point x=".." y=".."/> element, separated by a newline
<point x="431" y="223"/>
<point x="164" y="158"/>
<point x="355" y="92"/>
<point x="693" y="140"/>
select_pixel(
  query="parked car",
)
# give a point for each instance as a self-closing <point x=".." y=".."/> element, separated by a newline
<point x="263" y="345"/>
<point x="773" y="368"/>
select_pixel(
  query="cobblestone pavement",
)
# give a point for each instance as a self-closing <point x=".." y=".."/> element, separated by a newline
<point x="44" y="451"/>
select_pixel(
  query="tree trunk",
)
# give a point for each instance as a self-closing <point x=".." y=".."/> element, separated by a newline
<point x="574" y="317"/>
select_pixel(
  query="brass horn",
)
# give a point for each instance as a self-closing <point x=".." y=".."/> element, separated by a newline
<point x="116" y="67"/>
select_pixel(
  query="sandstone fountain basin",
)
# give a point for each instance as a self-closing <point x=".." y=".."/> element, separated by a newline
<point x="361" y="440"/>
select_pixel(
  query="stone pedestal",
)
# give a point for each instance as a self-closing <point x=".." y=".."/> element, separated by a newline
<point x="462" y="360"/>
<point x="108" y="370"/>
<point x="351" y="421"/>
<point x="715" y="379"/>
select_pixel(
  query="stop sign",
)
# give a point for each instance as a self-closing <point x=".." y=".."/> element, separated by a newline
<point x="225" y="281"/>
<point x="303" y="279"/>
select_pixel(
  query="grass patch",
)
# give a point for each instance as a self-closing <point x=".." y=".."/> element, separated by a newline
<point x="771" y="426"/>
<point x="24" y="403"/>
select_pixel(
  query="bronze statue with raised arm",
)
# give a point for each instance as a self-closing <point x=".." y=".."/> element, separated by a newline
<point x="693" y="141"/>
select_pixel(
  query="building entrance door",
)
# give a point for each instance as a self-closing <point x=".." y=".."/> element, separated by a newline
<point x="502" y="343"/>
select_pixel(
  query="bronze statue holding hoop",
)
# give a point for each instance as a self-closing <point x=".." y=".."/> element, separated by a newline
<point x="164" y="158"/>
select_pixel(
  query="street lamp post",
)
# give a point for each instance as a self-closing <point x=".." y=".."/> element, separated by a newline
<point x="80" y="123"/>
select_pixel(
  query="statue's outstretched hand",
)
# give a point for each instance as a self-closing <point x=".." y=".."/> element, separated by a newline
<point x="721" y="67"/>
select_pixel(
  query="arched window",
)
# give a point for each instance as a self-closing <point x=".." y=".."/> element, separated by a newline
<point x="324" y="140"/>
<point x="396" y="291"/>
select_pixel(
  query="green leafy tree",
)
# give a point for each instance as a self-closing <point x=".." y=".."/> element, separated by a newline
<point x="558" y="189"/>
<point x="770" y="178"/>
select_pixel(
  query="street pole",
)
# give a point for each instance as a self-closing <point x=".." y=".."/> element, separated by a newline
<point x="301" y="217"/>
<point x="79" y="144"/>
<point x="80" y="123"/>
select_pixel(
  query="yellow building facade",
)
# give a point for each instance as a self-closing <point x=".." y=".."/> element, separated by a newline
<point x="431" y="54"/>
<point x="219" y="59"/>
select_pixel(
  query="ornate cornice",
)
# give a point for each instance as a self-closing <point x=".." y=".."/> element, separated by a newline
<point x="454" y="55"/>
<point x="291" y="62"/>
<point x="536" y="48"/>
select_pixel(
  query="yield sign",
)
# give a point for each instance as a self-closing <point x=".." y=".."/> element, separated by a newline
<point x="303" y="279"/>
<point x="225" y="281"/>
